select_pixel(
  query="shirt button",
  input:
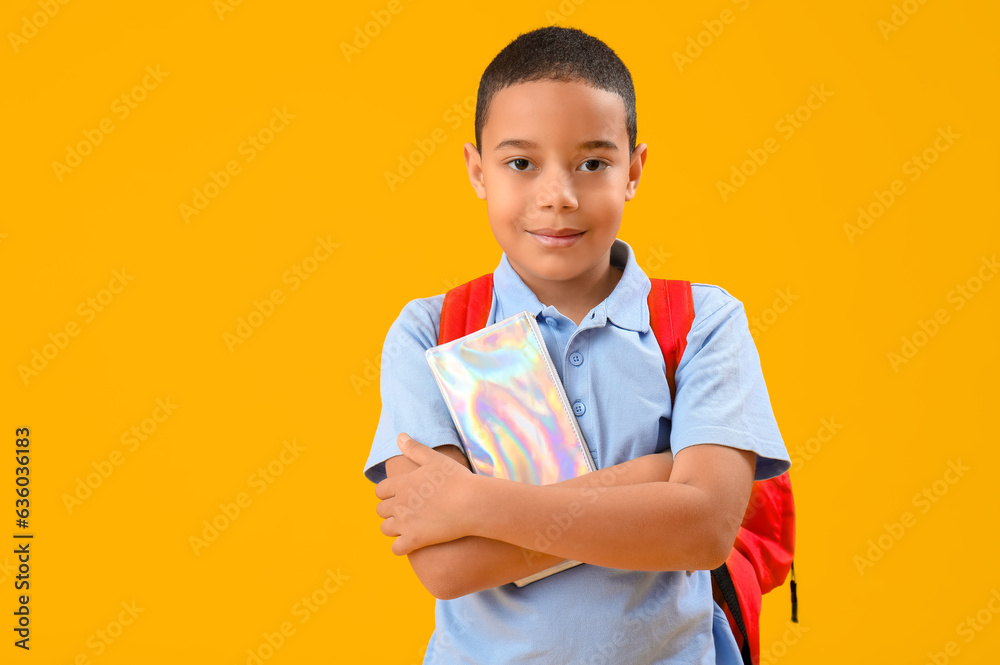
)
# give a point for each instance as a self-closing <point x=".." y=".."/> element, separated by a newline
<point x="551" y="321"/>
<point x="576" y="358"/>
<point x="578" y="408"/>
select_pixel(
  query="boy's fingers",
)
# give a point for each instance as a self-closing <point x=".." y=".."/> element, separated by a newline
<point x="383" y="490"/>
<point x="415" y="450"/>
<point x="388" y="527"/>
<point x="399" y="548"/>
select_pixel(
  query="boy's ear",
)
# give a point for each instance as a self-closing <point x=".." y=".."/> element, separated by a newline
<point x="474" y="164"/>
<point x="635" y="170"/>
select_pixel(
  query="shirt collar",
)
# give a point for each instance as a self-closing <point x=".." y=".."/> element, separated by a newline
<point x="626" y="306"/>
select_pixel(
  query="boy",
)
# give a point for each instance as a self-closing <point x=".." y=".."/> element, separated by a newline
<point x="556" y="159"/>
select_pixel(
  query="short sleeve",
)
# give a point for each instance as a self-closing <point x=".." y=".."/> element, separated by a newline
<point x="411" y="401"/>
<point x="721" y="396"/>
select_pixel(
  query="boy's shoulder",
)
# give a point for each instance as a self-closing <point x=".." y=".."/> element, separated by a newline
<point x="419" y="320"/>
<point x="420" y="308"/>
<point x="711" y="300"/>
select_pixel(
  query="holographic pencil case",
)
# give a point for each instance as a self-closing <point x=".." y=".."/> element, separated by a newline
<point x="510" y="408"/>
<point x="508" y="404"/>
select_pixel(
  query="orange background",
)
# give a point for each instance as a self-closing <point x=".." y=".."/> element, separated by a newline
<point x="891" y="545"/>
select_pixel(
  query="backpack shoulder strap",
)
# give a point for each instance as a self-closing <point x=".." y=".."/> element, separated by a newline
<point x="671" y="313"/>
<point x="466" y="308"/>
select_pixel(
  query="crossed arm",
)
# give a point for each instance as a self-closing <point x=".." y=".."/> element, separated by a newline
<point x="465" y="532"/>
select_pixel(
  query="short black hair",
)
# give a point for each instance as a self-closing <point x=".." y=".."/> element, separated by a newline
<point x="558" y="54"/>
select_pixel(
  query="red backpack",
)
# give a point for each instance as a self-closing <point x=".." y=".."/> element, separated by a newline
<point x="762" y="554"/>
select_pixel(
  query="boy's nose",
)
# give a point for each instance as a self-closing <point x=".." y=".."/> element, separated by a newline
<point x="556" y="191"/>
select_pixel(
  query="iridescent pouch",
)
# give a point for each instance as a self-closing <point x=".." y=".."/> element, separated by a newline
<point x="509" y="407"/>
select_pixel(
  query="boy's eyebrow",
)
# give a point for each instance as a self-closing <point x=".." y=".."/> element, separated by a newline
<point x="585" y="145"/>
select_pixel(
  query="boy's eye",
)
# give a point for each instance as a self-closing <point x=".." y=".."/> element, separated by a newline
<point x="596" y="164"/>
<point x="519" y="163"/>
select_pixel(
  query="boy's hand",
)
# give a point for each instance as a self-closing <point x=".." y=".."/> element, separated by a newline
<point x="424" y="506"/>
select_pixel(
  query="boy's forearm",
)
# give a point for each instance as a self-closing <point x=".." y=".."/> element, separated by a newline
<point x="466" y="565"/>
<point x="645" y="469"/>
<point x="475" y="563"/>
<point x="646" y="526"/>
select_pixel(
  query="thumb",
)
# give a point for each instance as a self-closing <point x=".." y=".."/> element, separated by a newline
<point x="413" y="449"/>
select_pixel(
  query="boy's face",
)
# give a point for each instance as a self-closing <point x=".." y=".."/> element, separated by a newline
<point x="555" y="161"/>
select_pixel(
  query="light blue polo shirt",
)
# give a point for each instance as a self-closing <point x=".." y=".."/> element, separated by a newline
<point x="614" y="375"/>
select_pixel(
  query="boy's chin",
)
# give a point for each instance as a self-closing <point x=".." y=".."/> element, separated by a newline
<point x="551" y="269"/>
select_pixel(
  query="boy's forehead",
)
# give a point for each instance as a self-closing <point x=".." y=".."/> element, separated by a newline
<point x="532" y="113"/>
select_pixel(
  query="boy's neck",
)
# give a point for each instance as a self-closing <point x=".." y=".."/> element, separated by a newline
<point x="575" y="298"/>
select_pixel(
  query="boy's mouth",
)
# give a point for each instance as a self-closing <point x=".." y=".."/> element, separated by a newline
<point x="557" y="237"/>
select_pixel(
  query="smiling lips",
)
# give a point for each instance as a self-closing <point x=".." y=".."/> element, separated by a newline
<point x="557" y="237"/>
